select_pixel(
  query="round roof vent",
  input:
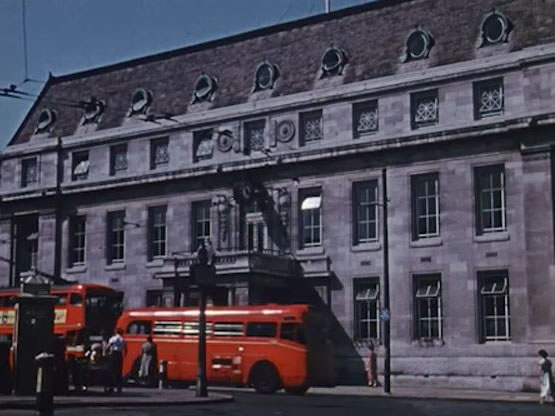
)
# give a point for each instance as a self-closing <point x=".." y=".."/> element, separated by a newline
<point x="93" y="110"/>
<point x="419" y="44"/>
<point x="205" y="87"/>
<point x="141" y="101"/>
<point x="47" y="117"/>
<point x="266" y="76"/>
<point x="495" y="28"/>
<point x="333" y="61"/>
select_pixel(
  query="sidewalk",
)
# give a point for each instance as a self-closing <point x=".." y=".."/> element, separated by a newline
<point x="95" y="397"/>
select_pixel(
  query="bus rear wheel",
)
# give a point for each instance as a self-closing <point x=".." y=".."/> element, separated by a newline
<point x="265" y="378"/>
<point x="296" y="391"/>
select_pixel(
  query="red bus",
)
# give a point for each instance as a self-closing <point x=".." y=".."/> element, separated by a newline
<point x="83" y="313"/>
<point x="268" y="347"/>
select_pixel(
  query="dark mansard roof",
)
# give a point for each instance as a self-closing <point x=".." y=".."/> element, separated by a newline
<point x="373" y="37"/>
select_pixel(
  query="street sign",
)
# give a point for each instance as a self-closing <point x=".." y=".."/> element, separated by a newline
<point x="384" y="315"/>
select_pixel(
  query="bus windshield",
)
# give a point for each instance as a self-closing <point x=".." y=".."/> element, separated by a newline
<point x="102" y="310"/>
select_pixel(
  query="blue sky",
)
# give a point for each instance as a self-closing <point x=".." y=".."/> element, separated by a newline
<point x="65" y="36"/>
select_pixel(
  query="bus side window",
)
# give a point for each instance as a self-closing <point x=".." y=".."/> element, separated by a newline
<point x="76" y="299"/>
<point x="228" y="329"/>
<point x="292" y="332"/>
<point x="261" y="329"/>
<point x="168" y="328"/>
<point x="139" y="328"/>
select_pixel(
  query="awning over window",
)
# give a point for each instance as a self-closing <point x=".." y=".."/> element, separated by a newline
<point x="428" y="289"/>
<point x="368" y="293"/>
<point x="494" y="286"/>
<point x="82" y="168"/>
<point x="311" y="202"/>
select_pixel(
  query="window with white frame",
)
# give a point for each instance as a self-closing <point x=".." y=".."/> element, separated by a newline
<point x="118" y="159"/>
<point x="77" y="236"/>
<point x="116" y="237"/>
<point x="489" y="98"/>
<point x="201" y="223"/>
<point x="425" y="205"/>
<point x="159" y="154"/>
<point x="311" y="125"/>
<point x="424" y="108"/>
<point x="495" y="314"/>
<point x="254" y="135"/>
<point x="29" y="171"/>
<point x="365" y="211"/>
<point x="310" y="224"/>
<point x="366" y="309"/>
<point x="157" y="231"/>
<point x="428" y="308"/>
<point x="80" y="166"/>
<point x="365" y="118"/>
<point x="490" y="199"/>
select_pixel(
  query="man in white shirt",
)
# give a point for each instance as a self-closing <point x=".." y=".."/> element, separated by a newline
<point x="117" y="349"/>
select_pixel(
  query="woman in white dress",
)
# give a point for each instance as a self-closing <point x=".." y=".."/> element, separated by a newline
<point x="546" y="377"/>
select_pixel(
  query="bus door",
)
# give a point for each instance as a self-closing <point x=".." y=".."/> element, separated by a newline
<point x="225" y="352"/>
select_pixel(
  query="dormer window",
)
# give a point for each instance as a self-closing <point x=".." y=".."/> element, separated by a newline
<point x="140" y="102"/>
<point x="419" y="44"/>
<point x="47" y="118"/>
<point x="333" y="62"/>
<point x="266" y="76"/>
<point x="205" y="87"/>
<point x="93" y="110"/>
<point x="495" y="28"/>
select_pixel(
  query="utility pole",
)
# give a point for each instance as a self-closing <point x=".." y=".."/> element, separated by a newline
<point x="328" y="6"/>
<point x="386" y="312"/>
<point x="58" y="213"/>
<point x="202" y="390"/>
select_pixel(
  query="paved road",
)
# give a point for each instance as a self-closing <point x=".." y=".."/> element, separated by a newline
<point x="252" y="404"/>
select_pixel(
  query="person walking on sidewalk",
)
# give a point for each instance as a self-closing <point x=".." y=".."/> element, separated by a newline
<point x="372" y="367"/>
<point x="546" y="378"/>
<point x="117" y="349"/>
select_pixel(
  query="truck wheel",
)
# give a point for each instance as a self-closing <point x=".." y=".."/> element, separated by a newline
<point x="296" y="391"/>
<point x="265" y="378"/>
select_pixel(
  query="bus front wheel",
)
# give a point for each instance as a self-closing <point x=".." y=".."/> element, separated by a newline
<point x="296" y="391"/>
<point x="264" y="378"/>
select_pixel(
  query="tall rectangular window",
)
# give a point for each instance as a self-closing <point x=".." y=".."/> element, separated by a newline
<point x="254" y="136"/>
<point x="424" y="108"/>
<point x="77" y="237"/>
<point x="80" y="166"/>
<point x="157" y="231"/>
<point x="118" y="159"/>
<point x="159" y="154"/>
<point x="490" y="199"/>
<point x="365" y="118"/>
<point x="366" y="309"/>
<point x="489" y="98"/>
<point x="29" y="172"/>
<point x="425" y="206"/>
<point x="310" y="224"/>
<point x="311" y="125"/>
<point x="494" y="311"/>
<point x="201" y="223"/>
<point x="428" y="308"/>
<point x="365" y="211"/>
<point x="116" y="237"/>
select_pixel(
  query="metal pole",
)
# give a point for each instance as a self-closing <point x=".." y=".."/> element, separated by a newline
<point x="58" y="209"/>
<point x="176" y="293"/>
<point x="201" y="378"/>
<point x="328" y="7"/>
<point x="387" y="317"/>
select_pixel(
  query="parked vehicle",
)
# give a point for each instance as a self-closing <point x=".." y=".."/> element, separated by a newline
<point x="269" y="347"/>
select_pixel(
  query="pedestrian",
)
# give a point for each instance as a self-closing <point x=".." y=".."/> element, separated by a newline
<point x="148" y="361"/>
<point x="116" y="349"/>
<point x="546" y="378"/>
<point x="372" y="367"/>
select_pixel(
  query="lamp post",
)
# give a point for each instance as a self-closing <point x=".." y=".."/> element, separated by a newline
<point x="386" y="314"/>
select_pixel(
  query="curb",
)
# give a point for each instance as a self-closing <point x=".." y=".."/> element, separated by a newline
<point x="127" y="402"/>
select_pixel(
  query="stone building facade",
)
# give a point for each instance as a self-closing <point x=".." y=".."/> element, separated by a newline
<point x="276" y="145"/>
